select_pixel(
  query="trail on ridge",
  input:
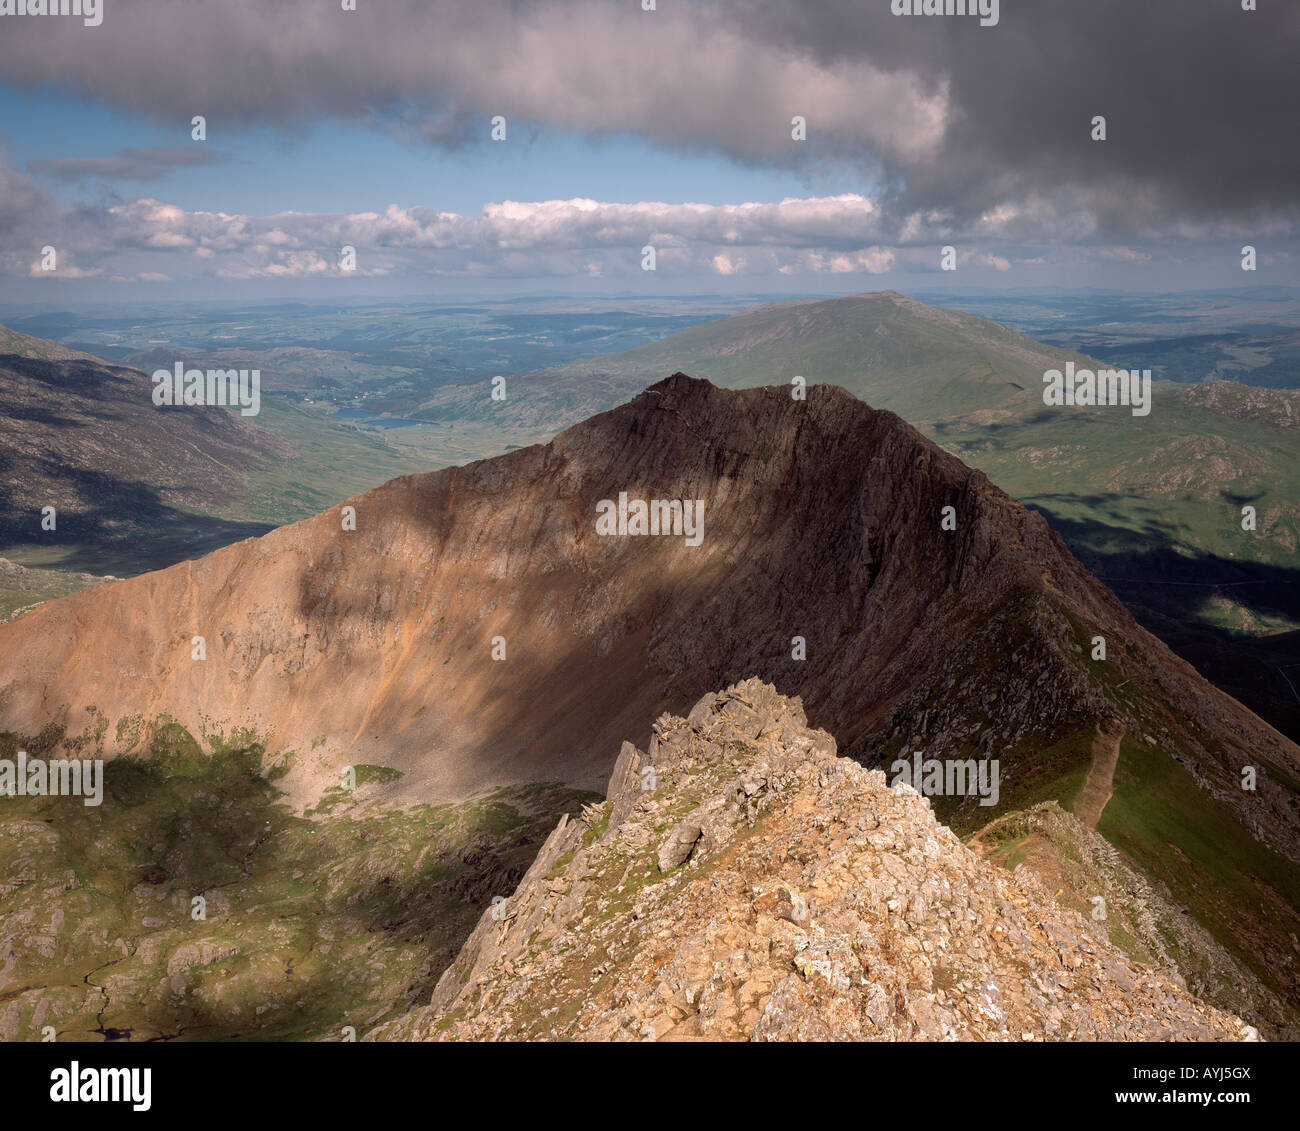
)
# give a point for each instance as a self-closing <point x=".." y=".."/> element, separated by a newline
<point x="1097" y="790"/>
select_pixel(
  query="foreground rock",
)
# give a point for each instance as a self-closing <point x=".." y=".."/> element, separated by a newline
<point x="758" y="887"/>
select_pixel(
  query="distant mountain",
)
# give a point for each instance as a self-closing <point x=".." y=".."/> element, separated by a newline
<point x="919" y="361"/>
<point x="976" y="387"/>
<point x="478" y="629"/>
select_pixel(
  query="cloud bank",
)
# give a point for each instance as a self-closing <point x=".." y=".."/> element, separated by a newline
<point x="831" y="235"/>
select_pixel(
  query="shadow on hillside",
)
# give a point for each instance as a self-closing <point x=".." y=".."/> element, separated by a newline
<point x="87" y="378"/>
<point x="243" y="846"/>
<point x="986" y="434"/>
<point x="126" y="528"/>
<point x="1154" y="559"/>
<point x="106" y="522"/>
<point x="1179" y="597"/>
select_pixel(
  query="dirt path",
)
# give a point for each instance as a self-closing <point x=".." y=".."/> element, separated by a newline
<point x="1098" y="788"/>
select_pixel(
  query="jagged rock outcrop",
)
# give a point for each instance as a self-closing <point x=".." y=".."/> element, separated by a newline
<point x="758" y="886"/>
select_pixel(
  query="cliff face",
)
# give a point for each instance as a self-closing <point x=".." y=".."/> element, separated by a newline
<point x="822" y="521"/>
<point x="744" y="882"/>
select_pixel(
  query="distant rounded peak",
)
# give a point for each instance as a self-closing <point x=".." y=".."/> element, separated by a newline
<point x="896" y="298"/>
<point x="878" y="302"/>
<point x="893" y="296"/>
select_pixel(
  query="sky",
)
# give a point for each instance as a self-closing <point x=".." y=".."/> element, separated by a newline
<point x="676" y="128"/>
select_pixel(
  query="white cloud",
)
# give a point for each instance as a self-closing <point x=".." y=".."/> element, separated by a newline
<point x="580" y="238"/>
<point x="1123" y="254"/>
<point x="577" y="237"/>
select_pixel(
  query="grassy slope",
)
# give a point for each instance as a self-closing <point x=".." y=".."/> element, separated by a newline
<point x="1178" y="477"/>
<point x="894" y="353"/>
<point x="21" y="587"/>
<point x="1246" y="895"/>
<point x="329" y="464"/>
<point x="344" y="916"/>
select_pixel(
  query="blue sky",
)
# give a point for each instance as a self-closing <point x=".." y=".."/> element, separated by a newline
<point x="331" y="167"/>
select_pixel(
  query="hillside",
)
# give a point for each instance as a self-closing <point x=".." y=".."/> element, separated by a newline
<point x="22" y="588"/>
<point x="12" y="343"/>
<point x="86" y="438"/>
<point x="975" y="387"/>
<point x="919" y="361"/>
<point x="346" y="915"/>
<point x="136" y="486"/>
<point x="476" y="631"/>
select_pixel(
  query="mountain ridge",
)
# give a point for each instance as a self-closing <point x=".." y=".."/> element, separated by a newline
<point x="475" y="630"/>
<point x="742" y="882"/>
<point x="1152" y="502"/>
<point x="632" y="441"/>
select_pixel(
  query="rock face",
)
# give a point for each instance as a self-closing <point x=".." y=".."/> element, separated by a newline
<point x="766" y="889"/>
<point x="824" y="567"/>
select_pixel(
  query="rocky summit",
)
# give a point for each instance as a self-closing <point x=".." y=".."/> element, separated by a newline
<point x="743" y="882"/>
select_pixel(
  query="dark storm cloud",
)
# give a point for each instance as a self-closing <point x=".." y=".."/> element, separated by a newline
<point x="686" y="76"/>
<point x="21" y="201"/>
<point x="1200" y="99"/>
<point x="136" y="164"/>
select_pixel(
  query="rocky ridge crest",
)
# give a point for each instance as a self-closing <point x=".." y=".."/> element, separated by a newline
<point x="742" y="881"/>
